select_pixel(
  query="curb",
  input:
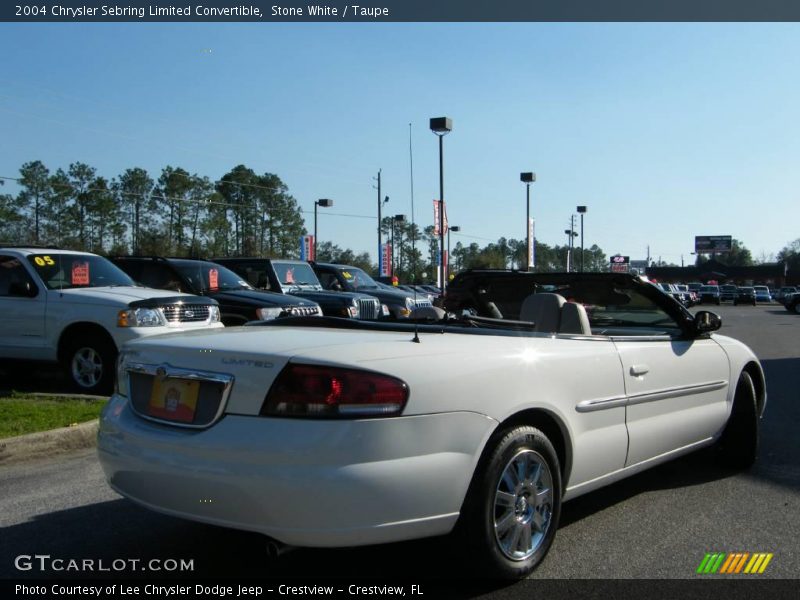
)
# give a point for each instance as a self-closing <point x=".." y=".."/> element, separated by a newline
<point x="48" y="443"/>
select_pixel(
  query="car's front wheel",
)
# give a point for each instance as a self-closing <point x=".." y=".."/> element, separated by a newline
<point x="738" y="446"/>
<point x="510" y="516"/>
<point x="89" y="362"/>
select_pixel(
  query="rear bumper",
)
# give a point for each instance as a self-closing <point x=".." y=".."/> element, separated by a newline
<point x="302" y="482"/>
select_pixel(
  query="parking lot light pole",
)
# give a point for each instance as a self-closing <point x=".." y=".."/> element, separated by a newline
<point x="441" y="126"/>
<point x="528" y="179"/>
<point x="455" y="228"/>
<point x="324" y="203"/>
<point x="582" y="211"/>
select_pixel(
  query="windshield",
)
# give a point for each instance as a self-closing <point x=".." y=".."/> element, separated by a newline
<point x="358" y="279"/>
<point x="65" y="271"/>
<point x="296" y="275"/>
<point x="208" y="276"/>
<point x="709" y="288"/>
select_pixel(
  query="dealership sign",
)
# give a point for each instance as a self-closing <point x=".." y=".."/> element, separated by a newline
<point x="620" y="264"/>
<point x="307" y="247"/>
<point x="711" y="244"/>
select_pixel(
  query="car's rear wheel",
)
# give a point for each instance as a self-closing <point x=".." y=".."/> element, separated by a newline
<point x="89" y="362"/>
<point x="510" y="516"/>
<point x="738" y="446"/>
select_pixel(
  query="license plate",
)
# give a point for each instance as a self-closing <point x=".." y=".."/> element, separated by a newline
<point x="174" y="399"/>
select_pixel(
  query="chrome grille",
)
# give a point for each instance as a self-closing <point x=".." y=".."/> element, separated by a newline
<point x="185" y="313"/>
<point x="420" y="303"/>
<point x="302" y="311"/>
<point x="369" y="308"/>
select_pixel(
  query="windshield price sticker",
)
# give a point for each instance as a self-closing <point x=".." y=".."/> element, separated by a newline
<point x="347" y="274"/>
<point x="213" y="279"/>
<point x="43" y="261"/>
<point x="80" y="273"/>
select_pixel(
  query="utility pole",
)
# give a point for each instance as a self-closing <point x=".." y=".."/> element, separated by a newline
<point x="380" y="201"/>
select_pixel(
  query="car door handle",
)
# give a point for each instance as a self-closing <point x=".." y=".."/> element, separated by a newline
<point x="637" y="370"/>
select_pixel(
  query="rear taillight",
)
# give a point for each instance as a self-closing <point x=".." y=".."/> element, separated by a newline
<point x="331" y="392"/>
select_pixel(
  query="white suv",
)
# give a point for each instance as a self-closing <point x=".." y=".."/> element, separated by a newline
<point x="78" y="308"/>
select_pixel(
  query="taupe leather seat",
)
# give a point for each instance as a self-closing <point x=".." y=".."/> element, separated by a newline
<point x="544" y="310"/>
<point x="574" y="319"/>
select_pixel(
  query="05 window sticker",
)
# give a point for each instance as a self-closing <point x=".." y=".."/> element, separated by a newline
<point x="44" y="261"/>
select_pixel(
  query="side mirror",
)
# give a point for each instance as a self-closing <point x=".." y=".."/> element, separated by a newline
<point x="706" y="321"/>
<point x="24" y="289"/>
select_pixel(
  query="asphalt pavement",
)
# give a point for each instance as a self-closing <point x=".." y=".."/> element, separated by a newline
<point x="658" y="524"/>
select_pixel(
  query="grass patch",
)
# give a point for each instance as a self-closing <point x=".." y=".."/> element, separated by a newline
<point x="27" y="413"/>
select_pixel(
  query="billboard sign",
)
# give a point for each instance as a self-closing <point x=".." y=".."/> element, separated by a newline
<point x="711" y="244"/>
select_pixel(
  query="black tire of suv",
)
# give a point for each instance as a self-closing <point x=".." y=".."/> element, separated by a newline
<point x="738" y="445"/>
<point x="477" y="525"/>
<point x="87" y="352"/>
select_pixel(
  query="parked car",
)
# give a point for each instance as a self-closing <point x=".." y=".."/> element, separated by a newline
<point x="745" y="295"/>
<point x="482" y="428"/>
<point x="728" y="292"/>
<point x="296" y="277"/>
<point x="239" y="302"/>
<point x="792" y="302"/>
<point x="762" y="293"/>
<point x="689" y="297"/>
<point x="710" y="293"/>
<point x="77" y="309"/>
<point x="785" y="291"/>
<point x="347" y="278"/>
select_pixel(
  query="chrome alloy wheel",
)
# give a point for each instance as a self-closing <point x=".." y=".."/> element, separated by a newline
<point x="87" y="367"/>
<point x="523" y="505"/>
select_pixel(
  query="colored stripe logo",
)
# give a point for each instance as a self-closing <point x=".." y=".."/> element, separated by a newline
<point x="734" y="563"/>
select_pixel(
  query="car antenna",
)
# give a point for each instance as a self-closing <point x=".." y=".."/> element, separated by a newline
<point x="415" y="339"/>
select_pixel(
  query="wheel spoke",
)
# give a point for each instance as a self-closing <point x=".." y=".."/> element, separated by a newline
<point x="510" y="478"/>
<point x="539" y="520"/>
<point x="536" y="473"/>
<point x="544" y="497"/>
<point x="525" y="538"/>
<point x="505" y="500"/>
<point x="522" y="468"/>
<point x="504" y="524"/>
<point x="513" y="539"/>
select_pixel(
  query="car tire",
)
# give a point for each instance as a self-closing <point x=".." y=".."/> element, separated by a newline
<point x="511" y="512"/>
<point x="719" y="302"/>
<point x="738" y="445"/>
<point x="89" y="362"/>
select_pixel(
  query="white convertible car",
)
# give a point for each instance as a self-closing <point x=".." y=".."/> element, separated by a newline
<point x="533" y="389"/>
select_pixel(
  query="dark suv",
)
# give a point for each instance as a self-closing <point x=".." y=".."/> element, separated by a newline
<point x="238" y="301"/>
<point x="345" y="278"/>
<point x="296" y="277"/>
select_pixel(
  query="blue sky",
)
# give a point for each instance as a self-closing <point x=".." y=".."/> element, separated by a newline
<point x="665" y="131"/>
